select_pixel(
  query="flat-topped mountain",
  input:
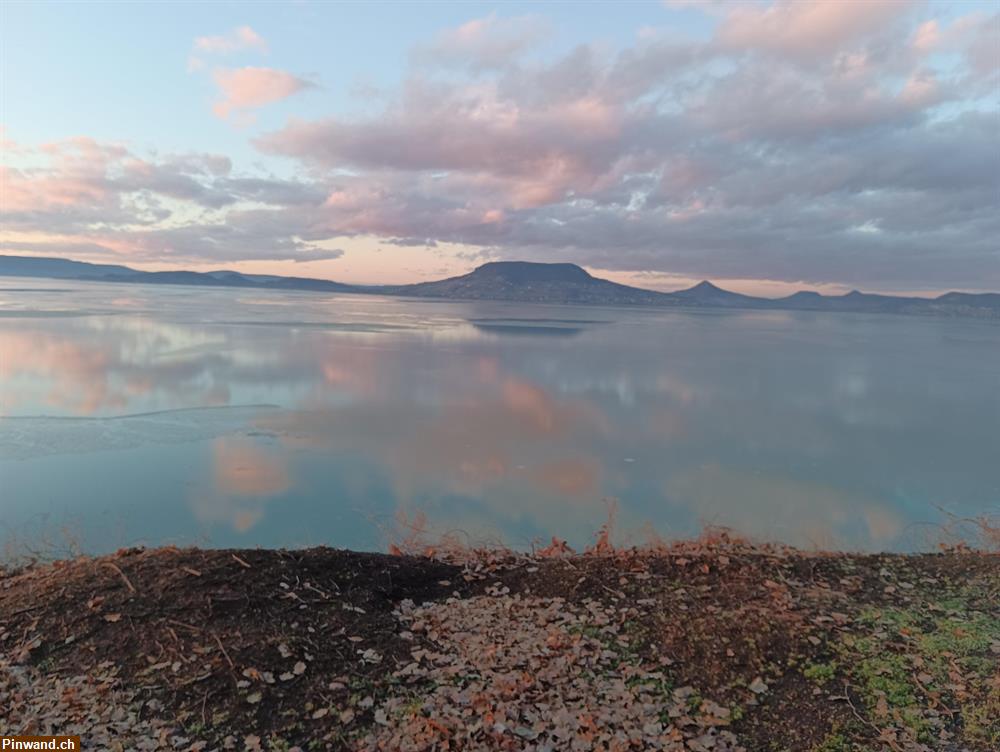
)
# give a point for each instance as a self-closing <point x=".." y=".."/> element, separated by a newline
<point x="529" y="282"/>
<point x="528" y="271"/>
<point x="524" y="282"/>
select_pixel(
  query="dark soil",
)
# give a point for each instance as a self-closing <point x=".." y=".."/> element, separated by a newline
<point x="251" y="642"/>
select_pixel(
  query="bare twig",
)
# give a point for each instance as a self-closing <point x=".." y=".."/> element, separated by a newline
<point x="121" y="574"/>
<point x="223" y="649"/>
<point x="617" y="593"/>
<point x="932" y="696"/>
<point x="881" y="732"/>
<point x="310" y="586"/>
<point x="185" y="625"/>
<point x="26" y="610"/>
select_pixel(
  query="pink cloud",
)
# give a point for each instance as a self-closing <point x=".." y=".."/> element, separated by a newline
<point x="22" y="192"/>
<point x="976" y="36"/>
<point x="487" y="142"/>
<point x="94" y="200"/>
<point x="927" y="36"/>
<point x="241" y="38"/>
<point x="795" y="124"/>
<point x="920" y="90"/>
<point x="485" y="43"/>
<point x="77" y="177"/>
<point x="250" y="87"/>
<point x="806" y="30"/>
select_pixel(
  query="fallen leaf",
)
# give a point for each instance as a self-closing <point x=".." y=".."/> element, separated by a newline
<point x="881" y="707"/>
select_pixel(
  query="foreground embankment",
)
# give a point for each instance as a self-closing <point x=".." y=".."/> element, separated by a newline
<point x="697" y="647"/>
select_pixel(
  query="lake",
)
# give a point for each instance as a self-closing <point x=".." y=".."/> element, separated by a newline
<point x="233" y="417"/>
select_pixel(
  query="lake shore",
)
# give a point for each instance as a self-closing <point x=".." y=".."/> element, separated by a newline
<point x="710" y="645"/>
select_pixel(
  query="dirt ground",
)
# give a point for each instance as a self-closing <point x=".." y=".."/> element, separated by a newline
<point x="719" y="647"/>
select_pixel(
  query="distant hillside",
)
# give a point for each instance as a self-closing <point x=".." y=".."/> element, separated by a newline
<point x="982" y="305"/>
<point x="56" y="268"/>
<point x="707" y="294"/>
<point x="523" y="282"/>
<point x="528" y="282"/>
<point x="227" y="279"/>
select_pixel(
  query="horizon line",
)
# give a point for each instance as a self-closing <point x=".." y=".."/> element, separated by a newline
<point x="362" y="286"/>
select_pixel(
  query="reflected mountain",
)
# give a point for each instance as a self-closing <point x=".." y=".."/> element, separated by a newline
<point x="533" y="327"/>
<point x="520" y="330"/>
<point x="840" y="431"/>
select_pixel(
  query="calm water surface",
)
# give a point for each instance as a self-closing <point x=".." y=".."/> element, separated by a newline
<point x="144" y="414"/>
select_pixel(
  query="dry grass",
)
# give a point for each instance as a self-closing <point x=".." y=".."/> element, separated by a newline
<point x="978" y="533"/>
<point x="411" y="535"/>
<point x="283" y="648"/>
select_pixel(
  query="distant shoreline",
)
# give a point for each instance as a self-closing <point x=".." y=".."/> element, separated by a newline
<point x="523" y="282"/>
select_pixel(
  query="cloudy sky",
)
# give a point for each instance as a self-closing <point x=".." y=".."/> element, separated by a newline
<point x="764" y="145"/>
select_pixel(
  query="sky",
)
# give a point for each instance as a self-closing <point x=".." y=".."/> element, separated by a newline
<point x="766" y="145"/>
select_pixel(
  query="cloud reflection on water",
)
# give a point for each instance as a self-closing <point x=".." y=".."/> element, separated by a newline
<point x="811" y="430"/>
<point x="246" y="475"/>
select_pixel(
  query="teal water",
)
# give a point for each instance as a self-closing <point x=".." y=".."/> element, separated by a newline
<point x="152" y="415"/>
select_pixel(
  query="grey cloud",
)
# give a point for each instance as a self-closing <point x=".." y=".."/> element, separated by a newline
<point x="269" y="235"/>
<point x="55" y="248"/>
<point x="741" y="157"/>
<point x="317" y="254"/>
<point x="749" y="155"/>
<point x="105" y="200"/>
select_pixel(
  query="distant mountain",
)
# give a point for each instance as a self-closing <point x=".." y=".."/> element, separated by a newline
<point x="983" y="305"/>
<point x="524" y="282"/>
<point x="528" y="282"/>
<point x="109" y="273"/>
<point x="56" y="268"/>
<point x="707" y="294"/>
<point x="852" y="301"/>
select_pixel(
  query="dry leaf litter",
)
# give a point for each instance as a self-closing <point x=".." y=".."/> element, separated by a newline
<point x="95" y="708"/>
<point x="537" y="674"/>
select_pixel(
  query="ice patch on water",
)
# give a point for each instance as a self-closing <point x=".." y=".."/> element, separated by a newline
<point x="362" y="327"/>
<point x="24" y="437"/>
<point x="29" y="314"/>
<point x="35" y="289"/>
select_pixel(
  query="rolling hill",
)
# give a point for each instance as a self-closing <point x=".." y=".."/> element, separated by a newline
<point x="523" y="282"/>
